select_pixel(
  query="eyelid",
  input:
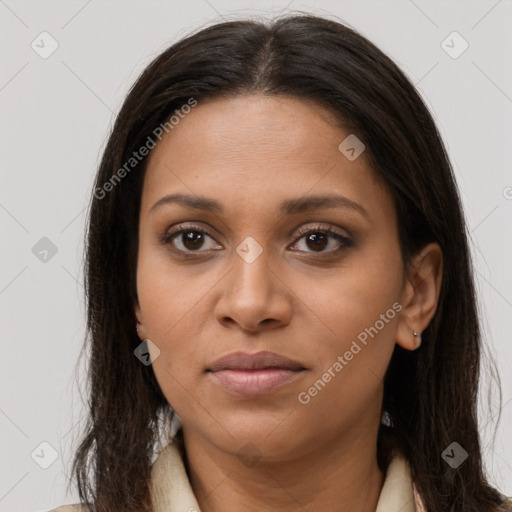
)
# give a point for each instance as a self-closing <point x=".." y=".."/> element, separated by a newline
<point x="328" y="228"/>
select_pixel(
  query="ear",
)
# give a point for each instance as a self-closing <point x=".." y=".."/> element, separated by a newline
<point x="140" y="323"/>
<point x="420" y="295"/>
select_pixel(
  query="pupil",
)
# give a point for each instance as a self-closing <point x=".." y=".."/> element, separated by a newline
<point x="193" y="240"/>
<point x="318" y="240"/>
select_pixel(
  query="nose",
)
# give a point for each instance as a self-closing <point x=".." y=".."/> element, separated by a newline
<point x="253" y="298"/>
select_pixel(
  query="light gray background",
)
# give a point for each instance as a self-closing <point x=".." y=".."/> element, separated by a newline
<point x="55" y="116"/>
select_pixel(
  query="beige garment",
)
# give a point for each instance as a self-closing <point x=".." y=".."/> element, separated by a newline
<point x="171" y="490"/>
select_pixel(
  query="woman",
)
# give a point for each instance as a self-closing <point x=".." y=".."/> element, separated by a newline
<point x="277" y="262"/>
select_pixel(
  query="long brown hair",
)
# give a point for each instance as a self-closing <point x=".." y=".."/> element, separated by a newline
<point x="430" y="394"/>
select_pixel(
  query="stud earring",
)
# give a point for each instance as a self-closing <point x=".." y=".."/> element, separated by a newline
<point x="417" y="335"/>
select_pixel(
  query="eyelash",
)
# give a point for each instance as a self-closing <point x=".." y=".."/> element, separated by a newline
<point x="345" y="241"/>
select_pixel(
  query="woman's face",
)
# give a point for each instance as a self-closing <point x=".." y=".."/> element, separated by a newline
<point x="248" y="276"/>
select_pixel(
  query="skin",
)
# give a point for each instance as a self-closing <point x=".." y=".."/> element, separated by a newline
<point x="304" y="301"/>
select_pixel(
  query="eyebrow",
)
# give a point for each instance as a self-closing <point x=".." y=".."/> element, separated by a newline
<point x="287" y="207"/>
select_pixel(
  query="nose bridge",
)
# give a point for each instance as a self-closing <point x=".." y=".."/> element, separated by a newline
<point x="252" y="294"/>
<point x="251" y="277"/>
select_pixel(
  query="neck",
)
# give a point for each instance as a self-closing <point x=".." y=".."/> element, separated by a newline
<point x="341" y="475"/>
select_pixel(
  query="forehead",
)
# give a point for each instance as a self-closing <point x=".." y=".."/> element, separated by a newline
<point x="243" y="126"/>
<point x="253" y="149"/>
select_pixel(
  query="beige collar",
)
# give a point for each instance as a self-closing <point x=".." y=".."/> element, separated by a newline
<point x="171" y="490"/>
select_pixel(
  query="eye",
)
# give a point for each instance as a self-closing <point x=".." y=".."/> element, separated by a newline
<point x="188" y="239"/>
<point x="191" y="239"/>
<point x="319" y="238"/>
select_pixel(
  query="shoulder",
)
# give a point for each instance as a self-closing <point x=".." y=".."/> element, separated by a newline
<point x="506" y="505"/>
<point x="71" y="508"/>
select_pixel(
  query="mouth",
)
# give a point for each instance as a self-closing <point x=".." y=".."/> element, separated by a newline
<point x="253" y="375"/>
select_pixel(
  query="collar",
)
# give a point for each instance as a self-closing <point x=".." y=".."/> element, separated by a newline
<point x="171" y="490"/>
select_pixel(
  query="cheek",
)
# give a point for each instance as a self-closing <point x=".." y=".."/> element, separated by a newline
<point x="174" y="301"/>
<point x="358" y="317"/>
<point x="171" y="296"/>
<point x="356" y="297"/>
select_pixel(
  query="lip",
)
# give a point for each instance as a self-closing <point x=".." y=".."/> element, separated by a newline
<point x="252" y="375"/>
<point x="258" y="361"/>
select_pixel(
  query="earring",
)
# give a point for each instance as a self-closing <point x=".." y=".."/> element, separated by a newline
<point x="386" y="419"/>
<point x="417" y="335"/>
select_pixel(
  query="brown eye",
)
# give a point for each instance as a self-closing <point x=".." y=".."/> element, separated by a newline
<point x="191" y="239"/>
<point x="317" y="240"/>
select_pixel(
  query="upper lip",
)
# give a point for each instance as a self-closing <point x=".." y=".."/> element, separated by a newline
<point x="257" y="361"/>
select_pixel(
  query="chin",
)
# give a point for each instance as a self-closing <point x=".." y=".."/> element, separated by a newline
<point x="263" y="437"/>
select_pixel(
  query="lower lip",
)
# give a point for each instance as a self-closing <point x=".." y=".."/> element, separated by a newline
<point x="253" y="383"/>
